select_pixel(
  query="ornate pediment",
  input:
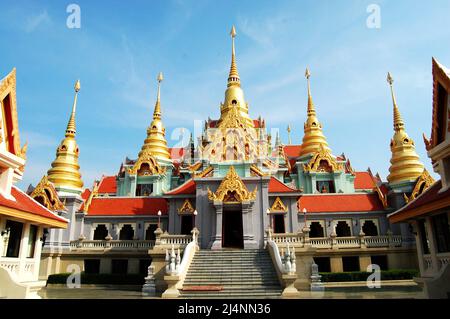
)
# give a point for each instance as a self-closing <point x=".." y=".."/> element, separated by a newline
<point x="207" y="172"/>
<point x="323" y="161"/>
<point x="232" y="190"/>
<point x="8" y="100"/>
<point x="186" y="208"/>
<point x="278" y="206"/>
<point x="146" y="165"/>
<point x="45" y="193"/>
<point x="424" y="181"/>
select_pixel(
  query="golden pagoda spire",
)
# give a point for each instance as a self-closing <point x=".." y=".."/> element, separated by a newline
<point x="313" y="138"/>
<point x="234" y="110"/>
<point x="405" y="163"/>
<point x="233" y="77"/>
<point x="289" y="134"/>
<point x="65" y="174"/>
<point x="156" y="143"/>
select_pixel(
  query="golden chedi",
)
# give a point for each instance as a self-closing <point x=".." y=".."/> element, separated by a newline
<point x="156" y="143"/>
<point x="65" y="174"/>
<point x="405" y="163"/>
<point x="234" y="96"/>
<point x="313" y="138"/>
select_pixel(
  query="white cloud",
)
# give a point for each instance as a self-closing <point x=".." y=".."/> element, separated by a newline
<point x="34" y="21"/>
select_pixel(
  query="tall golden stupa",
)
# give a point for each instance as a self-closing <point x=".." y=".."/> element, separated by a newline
<point x="65" y="174"/>
<point x="156" y="143"/>
<point x="405" y="163"/>
<point x="313" y="138"/>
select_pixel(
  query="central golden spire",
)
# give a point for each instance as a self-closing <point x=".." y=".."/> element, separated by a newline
<point x="156" y="143"/>
<point x="65" y="174"/>
<point x="234" y="109"/>
<point x="313" y="138"/>
<point x="233" y="77"/>
<point x="405" y="163"/>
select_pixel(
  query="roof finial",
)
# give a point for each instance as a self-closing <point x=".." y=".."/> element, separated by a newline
<point x="157" y="112"/>
<point x="71" y="129"/>
<point x="398" y="121"/>
<point x="233" y="77"/>
<point x="289" y="134"/>
<point x="311" y="110"/>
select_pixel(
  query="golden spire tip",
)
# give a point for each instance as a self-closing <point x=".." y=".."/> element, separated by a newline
<point x="307" y="73"/>
<point x="160" y="77"/>
<point x="233" y="31"/>
<point x="390" y="80"/>
<point x="77" y="86"/>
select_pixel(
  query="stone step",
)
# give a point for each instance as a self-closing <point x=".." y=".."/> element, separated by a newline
<point x="236" y="294"/>
<point x="237" y="284"/>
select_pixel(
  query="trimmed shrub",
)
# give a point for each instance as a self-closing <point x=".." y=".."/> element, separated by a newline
<point x="393" y="274"/>
<point x="100" y="279"/>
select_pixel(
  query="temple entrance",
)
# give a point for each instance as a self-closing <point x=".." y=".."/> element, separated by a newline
<point x="187" y="224"/>
<point x="232" y="231"/>
<point x="278" y="224"/>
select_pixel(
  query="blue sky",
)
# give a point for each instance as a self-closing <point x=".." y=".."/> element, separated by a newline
<point x="122" y="45"/>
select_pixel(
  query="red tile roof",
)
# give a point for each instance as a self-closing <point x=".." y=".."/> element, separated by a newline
<point x="430" y="200"/>
<point x="184" y="189"/>
<point x="108" y="185"/>
<point x="292" y="150"/>
<point x="324" y="203"/>
<point x="176" y="152"/>
<point x="363" y="180"/>
<point x="127" y="206"/>
<point x="25" y="203"/>
<point x="85" y="194"/>
<point x="277" y="186"/>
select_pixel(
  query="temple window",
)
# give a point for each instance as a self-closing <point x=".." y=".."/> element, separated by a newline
<point x="323" y="263"/>
<point x="343" y="229"/>
<point x="316" y="230"/>
<point x="119" y="266"/>
<point x="150" y="232"/>
<point x="126" y="233"/>
<point x="278" y="223"/>
<point x="100" y="232"/>
<point x="441" y="232"/>
<point x="350" y="263"/>
<point x="325" y="187"/>
<point x="187" y="224"/>
<point x="32" y="241"/>
<point x="92" y="266"/>
<point x="369" y="228"/>
<point x="144" y="189"/>
<point x="14" y="238"/>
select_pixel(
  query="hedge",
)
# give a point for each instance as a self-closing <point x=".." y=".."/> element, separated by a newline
<point x="394" y="274"/>
<point x="100" y="279"/>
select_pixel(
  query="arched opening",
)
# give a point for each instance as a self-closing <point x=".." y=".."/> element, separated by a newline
<point x="100" y="232"/>
<point x="369" y="228"/>
<point x="126" y="233"/>
<point x="150" y="232"/>
<point x="144" y="189"/>
<point x="316" y="230"/>
<point x="343" y="229"/>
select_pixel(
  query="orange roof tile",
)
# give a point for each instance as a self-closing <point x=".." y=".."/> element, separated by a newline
<point x="85" y="194"/>
<point x="27" y="204"/>
<point x="107" y="185"/>
<point x="324" y="203"/>
<point x="363" y="180"/>
<point x="292" y="150"/>
<point x="184" y="189"/>
<point x="127" y="206"/>
<point x="277" y="186"/>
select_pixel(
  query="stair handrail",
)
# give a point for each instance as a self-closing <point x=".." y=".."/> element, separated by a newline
<point x="284" y="262"/>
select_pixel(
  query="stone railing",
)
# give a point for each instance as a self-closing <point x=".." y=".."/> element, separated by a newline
<point x="11" y="264"/>
<point x="101" y="245"/>
<point x="302" y="238"/>
<point x="23" y="269"/>
<point x="177" y="264"/>
<point x="444" y="259"/>
<point x="285" y="265"/>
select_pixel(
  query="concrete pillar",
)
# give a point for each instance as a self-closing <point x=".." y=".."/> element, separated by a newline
<point x="364" y="262"/>
<point x="105" y="266"/>
<point x="23" y="250"/>
<point x="419" y="247"/>
<point x="133" y="266"/>
<point x="217" y="237"/>
<point x="336" y="264"/>
<point x="433" y="246"/>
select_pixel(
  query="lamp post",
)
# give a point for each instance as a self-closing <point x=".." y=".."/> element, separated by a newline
<point x="195" y="214"/>
<point x="270" y="218"/>
<point x="159" y="218"/>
